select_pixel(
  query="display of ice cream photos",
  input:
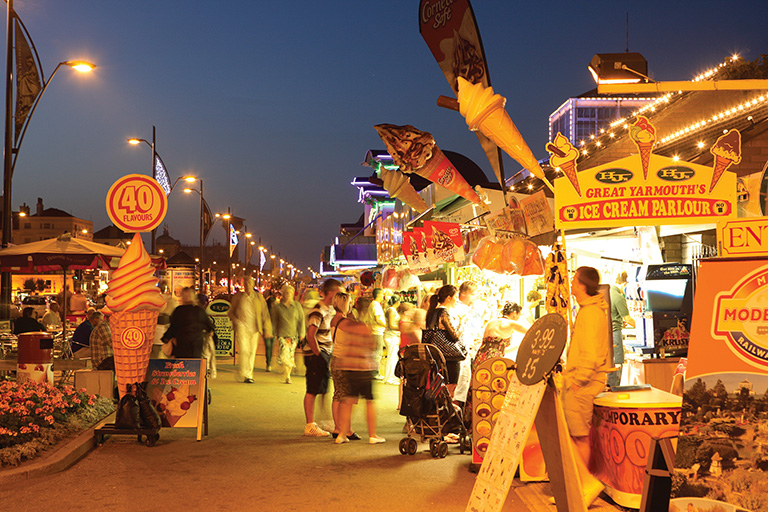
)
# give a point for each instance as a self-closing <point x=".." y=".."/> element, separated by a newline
<point x="415" y="151"/>
<point x="510" y="218"/>
<point x="444" y="242"/>
<point x="411" y="248"/>
<point x="512" y="411"/>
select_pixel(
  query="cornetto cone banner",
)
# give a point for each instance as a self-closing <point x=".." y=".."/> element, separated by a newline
<point x="723" y="424"/>
<point x="617" y="194"/>
<point x="450" y="30"/>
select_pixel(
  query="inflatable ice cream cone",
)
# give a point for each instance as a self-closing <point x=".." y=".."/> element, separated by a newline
<point x="134" y="300"/>
<point x="564" y="156"/>
<point x="727" y="151"/>
<point x="415" y="151"/>
<point x="643" y="134"/>
<point x="484" y="111"/>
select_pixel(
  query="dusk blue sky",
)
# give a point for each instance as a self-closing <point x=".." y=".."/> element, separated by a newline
<point x="273" y="103"/>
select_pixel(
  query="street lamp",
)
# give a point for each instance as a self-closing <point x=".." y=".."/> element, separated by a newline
<point x="227" y="217"/>
<point x="159" y="172"/>
<point x="11" y="153"/>
<point x="188" y="190"/>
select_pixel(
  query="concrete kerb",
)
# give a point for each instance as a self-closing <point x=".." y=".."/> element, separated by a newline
<point x="60" y="458"/>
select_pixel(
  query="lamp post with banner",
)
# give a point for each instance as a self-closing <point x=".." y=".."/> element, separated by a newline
<point x="159" y="173"/>
<point x="30" y="87"/>
<point x="204" y="211"/>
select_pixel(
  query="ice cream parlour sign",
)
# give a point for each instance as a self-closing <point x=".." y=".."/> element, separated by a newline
<point x="645" y="189"/>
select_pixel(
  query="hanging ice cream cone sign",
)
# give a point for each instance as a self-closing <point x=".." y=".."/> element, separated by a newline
<point x="727" y="151"/>
<point x="643" y="134"/>
<point x="564" y="157"/>
<point x="136" y="203"/>
<point x="484" y="112"/>
<point x="415" y="151"/>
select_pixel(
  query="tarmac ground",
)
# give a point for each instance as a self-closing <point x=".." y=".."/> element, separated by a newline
<point x="256" y="458"/>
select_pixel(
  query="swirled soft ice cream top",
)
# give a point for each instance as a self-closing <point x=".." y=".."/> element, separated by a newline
<point x="133" y="286"/>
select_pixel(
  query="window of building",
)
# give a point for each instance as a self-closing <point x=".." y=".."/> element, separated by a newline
<point x="27" y="225"/>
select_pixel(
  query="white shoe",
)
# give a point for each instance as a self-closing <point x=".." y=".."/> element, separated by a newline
<point x="341" y="439"/>
<point x="376" y="440"/>
<point x="312" y="430"/>
<point x="327" y="425"/>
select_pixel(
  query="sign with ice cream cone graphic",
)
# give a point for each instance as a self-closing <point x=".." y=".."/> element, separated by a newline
<point x="619" y="194"/>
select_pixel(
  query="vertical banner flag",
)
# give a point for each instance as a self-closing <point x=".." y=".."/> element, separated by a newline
<point x="232" y="239"/>
<point x="262" y="260"/>
<point x="207" y="220"/>
<point x="160" y="174"/>
<point x="450" y="31"/>
<point x="28" y="84"/>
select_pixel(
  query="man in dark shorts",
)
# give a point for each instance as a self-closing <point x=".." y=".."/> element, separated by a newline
<point x="317" y="354"/>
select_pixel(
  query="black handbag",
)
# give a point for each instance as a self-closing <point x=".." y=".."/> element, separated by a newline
<point x="148" y="415"/>
<point x="127" y="416"/>
<point x="451" y="351"/>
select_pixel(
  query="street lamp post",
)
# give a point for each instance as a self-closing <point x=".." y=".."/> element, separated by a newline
<point x="202" y="236"/>
<point x="227" y="217"/>
<point x="10" y="153"/>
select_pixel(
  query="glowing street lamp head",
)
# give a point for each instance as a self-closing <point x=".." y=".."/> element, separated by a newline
<point x="189" y="179"/>
<point x="81" y="65"/>
<point x="188" y="190"/>
<point x="135" y="142"/>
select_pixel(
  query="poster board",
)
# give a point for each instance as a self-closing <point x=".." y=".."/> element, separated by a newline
<point x="225" y="334"/>
<point x="176" y="388"/>
<point x="723" y="425"/>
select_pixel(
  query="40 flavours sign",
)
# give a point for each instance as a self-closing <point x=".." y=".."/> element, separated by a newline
<point x="619" y="194"/>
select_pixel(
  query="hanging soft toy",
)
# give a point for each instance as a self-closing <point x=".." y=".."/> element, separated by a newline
<point x="556" y="274"/>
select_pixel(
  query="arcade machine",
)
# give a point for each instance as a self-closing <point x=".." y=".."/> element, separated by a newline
<point x="668" y="303"/>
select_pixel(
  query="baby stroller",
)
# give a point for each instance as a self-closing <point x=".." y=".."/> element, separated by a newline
<point x="427" y="403"/>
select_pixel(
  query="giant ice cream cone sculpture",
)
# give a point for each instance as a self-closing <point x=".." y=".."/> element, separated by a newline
<point x="727" y="151"/>
<point x="415" y="151"/>
<point x="398" y="185"/>
<point x="643" y="134"/>
<point x="564" y="157"/>
<point x="484" y="111"/>
<point x="134" y="300"/>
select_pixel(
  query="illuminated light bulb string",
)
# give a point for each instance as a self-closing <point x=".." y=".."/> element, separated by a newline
<point x="595" y="143"/>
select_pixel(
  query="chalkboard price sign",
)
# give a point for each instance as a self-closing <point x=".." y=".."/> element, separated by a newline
<point x="541" y="348"/>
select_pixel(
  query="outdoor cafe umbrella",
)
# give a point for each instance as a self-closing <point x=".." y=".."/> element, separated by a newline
<point x="62" y="253"/>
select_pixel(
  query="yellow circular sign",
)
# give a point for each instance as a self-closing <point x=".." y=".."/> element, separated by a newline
<point x="136" y="203"/>
<point x="132" y="337"/>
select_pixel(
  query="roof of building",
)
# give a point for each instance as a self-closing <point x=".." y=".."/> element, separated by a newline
<point x="52" y="212"/>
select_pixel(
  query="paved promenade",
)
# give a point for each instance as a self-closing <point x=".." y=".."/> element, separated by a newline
<point x="256" y="458"/>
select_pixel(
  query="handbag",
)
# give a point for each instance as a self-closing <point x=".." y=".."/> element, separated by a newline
<point x="451" y="351"/>
<point x="167" y="347"/>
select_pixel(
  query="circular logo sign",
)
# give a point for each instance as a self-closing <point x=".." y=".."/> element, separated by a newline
<point x="132" y="337"/>
<point x="541" y="348"/>
<point x="136" y="203"/>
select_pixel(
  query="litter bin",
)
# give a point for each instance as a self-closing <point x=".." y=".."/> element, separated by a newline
<point x="35" y="360"/>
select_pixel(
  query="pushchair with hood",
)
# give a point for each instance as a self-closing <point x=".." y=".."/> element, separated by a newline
<point x="427" y="403"/>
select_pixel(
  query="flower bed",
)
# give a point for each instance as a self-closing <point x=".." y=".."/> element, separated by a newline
<point x="34" y="416"/>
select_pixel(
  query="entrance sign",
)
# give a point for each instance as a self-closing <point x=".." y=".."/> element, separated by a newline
<point x="616" y="194"/>
<point x="136" y="203"/>
<point x="742" y="237"/>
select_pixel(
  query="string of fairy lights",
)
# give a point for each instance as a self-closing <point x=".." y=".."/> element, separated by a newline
<point x="619" y="127"/>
